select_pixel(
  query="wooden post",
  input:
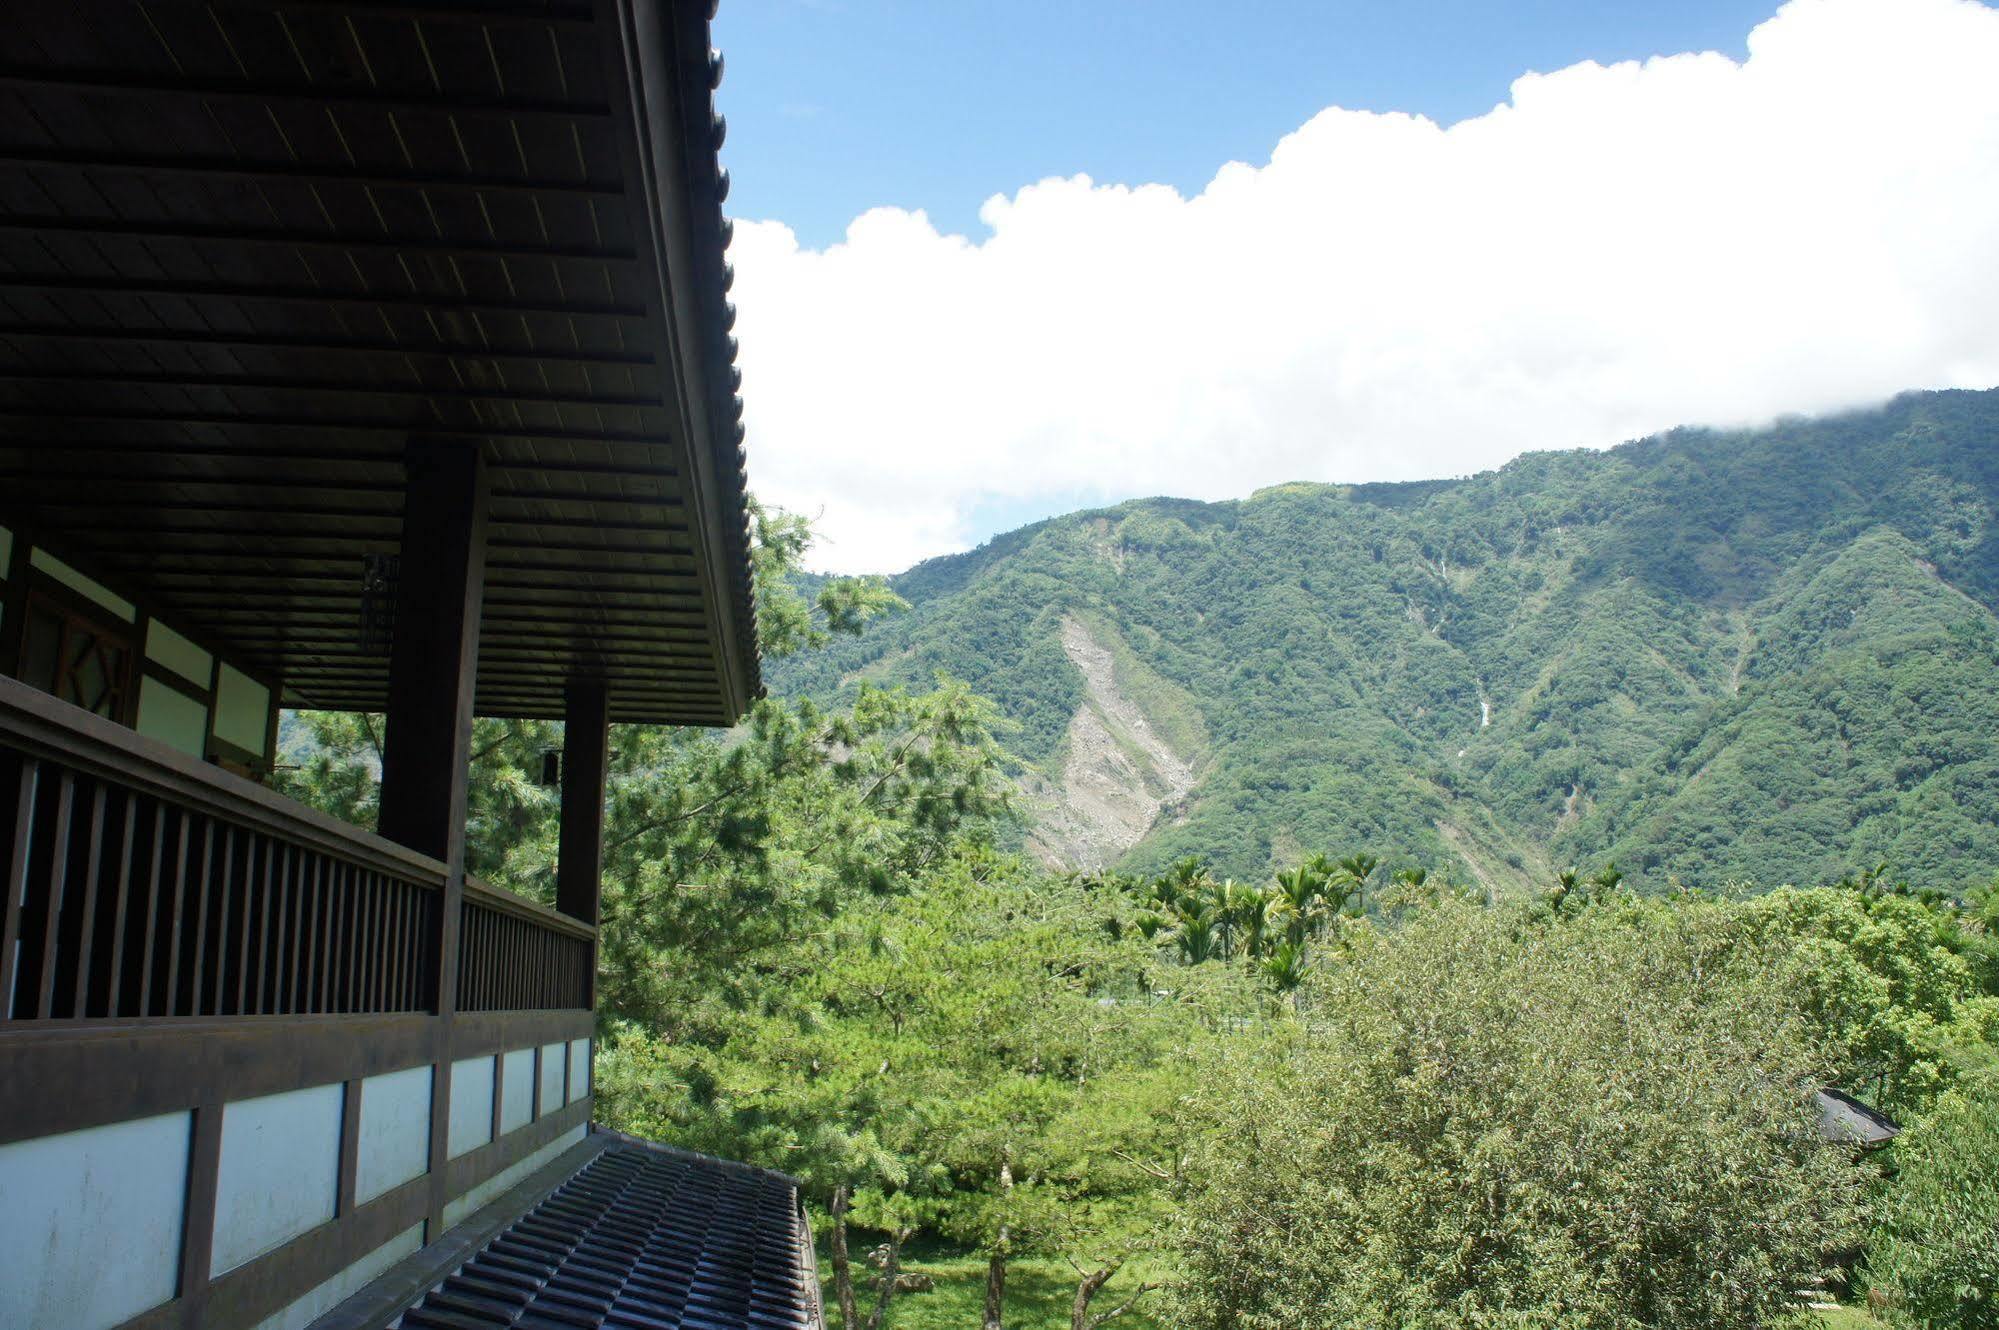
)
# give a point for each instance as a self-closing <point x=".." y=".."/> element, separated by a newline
<point x="426" y="758"/>
<point x="586" y="757"/>
<point x="435" y="654"/>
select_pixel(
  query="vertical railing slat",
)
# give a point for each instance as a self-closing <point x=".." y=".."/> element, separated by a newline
<point x="468" y="959"/>
<point x="281" y="973"/>
<point x="302" y="931"/>
<point x="86" y="936"/>
<point x="350" y="908"/>
<point x="179" y="901"/>
<point x="322" y="931"/>
<point x="371" y="932"/>
<point x="343" y="896"/>
<point x="398" y="962"/>
<point x="128" y="853"/>
<point x="256" y="919"/>
<point x="308" y="916"/>
<point x="291" y="919"/>
<point x="204" y="885"/>
<point x="149" y="938"/>
<point x="58" y="884"/>
<point x="378" y="989"/>
<point x="17" y="881"/>
<point x="222" y="916"/>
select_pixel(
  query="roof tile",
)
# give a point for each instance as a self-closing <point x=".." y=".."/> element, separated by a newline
<point x="642" y="1237"/>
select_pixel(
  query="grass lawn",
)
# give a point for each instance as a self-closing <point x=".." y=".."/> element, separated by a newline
<point x="1850" y="1318"/>
<point x="1038" y="1294"/>
<point x="1039" y="1290"/>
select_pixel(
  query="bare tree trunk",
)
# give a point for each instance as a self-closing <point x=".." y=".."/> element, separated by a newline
<point x="996" y="1286"/>
<point x="843" y="1270"/>
<point x="890" y="1269"/>
<point x="1079" y="1311"/>
<point x="996" y="1264"/>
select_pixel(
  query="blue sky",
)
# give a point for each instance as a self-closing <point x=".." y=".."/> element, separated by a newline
<point x="1615" y="218"/>
<point x="837" y="106"/>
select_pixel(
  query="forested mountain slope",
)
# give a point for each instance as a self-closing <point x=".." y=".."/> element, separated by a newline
<point x="1711" y="656"/>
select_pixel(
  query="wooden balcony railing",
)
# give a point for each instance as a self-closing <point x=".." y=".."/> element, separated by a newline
<point x="515" y="955"/>
<point x="141" y="883"/>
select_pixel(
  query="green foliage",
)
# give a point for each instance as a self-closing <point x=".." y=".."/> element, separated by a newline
<point x="1711" y="657"/>
<point x="1935" y="1248"/>
<point x="1485" y="1121"/>
<point x="787" y="621"/>
<point x="983" y="1059"/>
<point x="1039" y="1292"/>
<point x="1897" y="1008"/>
<point x="1279" y="928"/>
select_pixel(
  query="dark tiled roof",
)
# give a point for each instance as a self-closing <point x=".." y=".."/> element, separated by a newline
<point x="641" y="1236"/>
<point x="1845" y="1119"/>
<point x="699" y="66"/>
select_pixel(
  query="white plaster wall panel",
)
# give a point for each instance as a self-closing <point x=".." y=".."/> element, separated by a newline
<point x="172" y="717"/>
<point x="554" y="1062"/>
<point x="68" y="1203"/>
<point x="516" y="1089"/>
<point x="343" y="1285"/>
<point x="395" y="1131"/>
<point x="242" y="709"/>
<point x="579" y="1069"/>
<point x="458" y="1209"/>
<point x="178" y="654"/>
<point x="471" y="1105"/>
<point x="280" y="1172"/>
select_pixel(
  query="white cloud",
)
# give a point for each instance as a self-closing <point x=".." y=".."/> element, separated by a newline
<point x="1611" y="252"/>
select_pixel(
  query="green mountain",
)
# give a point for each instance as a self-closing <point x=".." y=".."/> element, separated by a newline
<point x="1710" y="656"/>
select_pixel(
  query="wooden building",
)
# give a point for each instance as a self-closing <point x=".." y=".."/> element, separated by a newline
<point x="375" y="356"/>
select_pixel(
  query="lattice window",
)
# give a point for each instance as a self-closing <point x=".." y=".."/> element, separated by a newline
<point x="77" y="658"/>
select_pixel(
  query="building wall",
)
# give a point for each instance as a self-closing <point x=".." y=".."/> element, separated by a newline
<point x="172" y="688"/>
<point x="121" y="1189"/>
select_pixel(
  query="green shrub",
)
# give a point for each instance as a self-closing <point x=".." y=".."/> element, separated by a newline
<point x="1483" y="1121"/>
<point x="1935" y="1253"/>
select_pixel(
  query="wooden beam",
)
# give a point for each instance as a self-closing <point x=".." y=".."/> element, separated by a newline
<point x="315" y="344"/>
<point x="316" y="241"/>
<point x="241" y="170"/>
<point x="379" y="386"/>
<point x="262" y="97"/>
<point x="318" y="423"/>
<point x="114" y="284"/>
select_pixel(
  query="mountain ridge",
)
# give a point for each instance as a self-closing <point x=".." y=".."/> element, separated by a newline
<point x="1507" y="672"/>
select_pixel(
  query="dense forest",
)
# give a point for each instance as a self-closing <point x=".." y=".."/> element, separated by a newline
<point x="1318" y="1070"/>
<point x="1711" y="657"/>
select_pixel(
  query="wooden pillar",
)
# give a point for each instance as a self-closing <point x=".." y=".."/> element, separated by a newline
<point x="426" y="758"/>
<point x="435" y="654"/>
<point x="586" y="757"/>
